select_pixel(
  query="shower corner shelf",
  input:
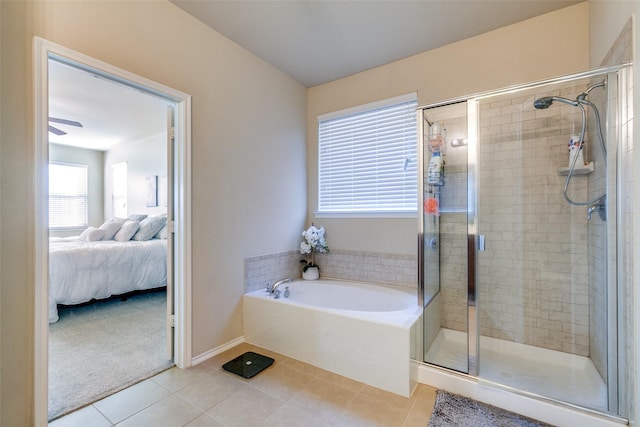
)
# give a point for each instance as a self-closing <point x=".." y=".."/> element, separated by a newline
<point x="579" y="170"/>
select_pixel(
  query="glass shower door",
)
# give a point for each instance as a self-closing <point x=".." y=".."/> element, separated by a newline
<point x="542" y="277"/>
<point x="444" y="231"/>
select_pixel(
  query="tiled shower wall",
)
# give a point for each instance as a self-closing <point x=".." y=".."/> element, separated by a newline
<point x="534" y="273"/>
<point x="394" y="270"/>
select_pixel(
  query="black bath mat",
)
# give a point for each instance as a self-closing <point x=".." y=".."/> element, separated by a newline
<point x="248" y="365"/>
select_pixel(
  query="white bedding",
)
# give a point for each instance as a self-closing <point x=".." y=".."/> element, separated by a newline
<point x="80" y="271"/>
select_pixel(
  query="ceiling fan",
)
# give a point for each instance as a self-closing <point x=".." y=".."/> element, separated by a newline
<point x="59" y="132"/>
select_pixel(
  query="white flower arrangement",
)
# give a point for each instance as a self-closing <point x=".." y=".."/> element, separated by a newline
<point x="312" y="241"/>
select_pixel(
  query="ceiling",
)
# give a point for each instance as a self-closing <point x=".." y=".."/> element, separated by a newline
<point x="110" y="113"/>
<point x="317" y="41"/>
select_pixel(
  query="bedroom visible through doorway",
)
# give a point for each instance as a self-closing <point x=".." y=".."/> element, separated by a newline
<point x="111" y="256"/>
<point x="108" y="254"/>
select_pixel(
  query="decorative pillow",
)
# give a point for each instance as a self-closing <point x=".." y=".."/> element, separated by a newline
<point x="162" y="234"/>
<point x="127" y="231"/>
<point x="111" y="227"/>
<point x="137" y="217"/>
<point x="150" y="226"/>
<point x="91" y="234"/>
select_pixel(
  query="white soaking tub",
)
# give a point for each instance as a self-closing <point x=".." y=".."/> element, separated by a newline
<point x="358" y="330"/>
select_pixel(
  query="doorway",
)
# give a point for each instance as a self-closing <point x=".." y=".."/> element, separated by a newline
<point x="178" y="206"/>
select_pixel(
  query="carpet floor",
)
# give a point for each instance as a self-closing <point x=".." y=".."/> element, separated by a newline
<point x="98" y="349"/>
<point x="454" y="410"/>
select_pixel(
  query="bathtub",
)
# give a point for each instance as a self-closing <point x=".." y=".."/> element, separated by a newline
<point x="357" y="330"/>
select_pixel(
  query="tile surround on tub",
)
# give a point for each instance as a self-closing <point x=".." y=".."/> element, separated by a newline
<point x="262" y="270"/>
<point x="393" y="270"/>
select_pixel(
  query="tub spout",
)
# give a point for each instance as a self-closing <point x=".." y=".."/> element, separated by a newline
<point x="274" y="287"/>
<point x="600" y="207"/>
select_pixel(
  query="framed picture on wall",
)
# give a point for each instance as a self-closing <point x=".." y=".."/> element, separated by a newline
<point x="162" y="190"/>
<point x="151" y="190"/>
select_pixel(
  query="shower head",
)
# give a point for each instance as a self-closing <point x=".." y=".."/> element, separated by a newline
<point x="545" y="102"/>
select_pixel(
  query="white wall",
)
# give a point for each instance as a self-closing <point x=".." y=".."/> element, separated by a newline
<point x="144" y="158"/>
<point x="248" y="159"/>
<point x="95" y="163"/>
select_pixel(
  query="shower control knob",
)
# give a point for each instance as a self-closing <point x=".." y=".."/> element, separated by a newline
<point x="433" y="244"/>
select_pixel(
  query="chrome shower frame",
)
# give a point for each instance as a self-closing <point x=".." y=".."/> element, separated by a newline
<point x="473" y="239"/>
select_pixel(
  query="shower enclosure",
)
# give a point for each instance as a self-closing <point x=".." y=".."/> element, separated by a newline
<point x="518" y="280"/>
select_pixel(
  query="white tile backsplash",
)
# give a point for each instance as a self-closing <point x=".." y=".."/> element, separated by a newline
<point x="394" y="270"/>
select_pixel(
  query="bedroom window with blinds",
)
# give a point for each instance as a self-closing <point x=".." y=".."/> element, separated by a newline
<point x="367" y="159"/>
<point x="68" y="204"/>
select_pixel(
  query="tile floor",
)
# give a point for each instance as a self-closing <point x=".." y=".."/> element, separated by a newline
<point x="289" y="393"/>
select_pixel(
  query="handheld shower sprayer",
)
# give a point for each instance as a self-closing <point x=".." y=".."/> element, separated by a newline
<point x="580" y="102"/>
<point x="545" y="102"/>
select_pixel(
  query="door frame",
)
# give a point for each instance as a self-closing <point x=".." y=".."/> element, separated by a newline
<point x="43" y="50"/>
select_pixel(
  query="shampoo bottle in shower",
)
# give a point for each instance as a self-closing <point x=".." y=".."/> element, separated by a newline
<point x="575" y="150"/>
<point x="435" y="175"/>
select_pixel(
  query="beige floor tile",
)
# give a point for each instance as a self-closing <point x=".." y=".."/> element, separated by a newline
<point x="393" y="399"/>
<point x="281" y="382"/>
<point x="424" y="398"/>
<point x="363" y="411"/>
<point x="204" y="420"/>
<point x="131" y="400"/>
<point x="85" y="417"/>
<point x="207" y="390"/>
<point x="169" y="412"/>
<point x="175" y="379"/>
<point x="305" y="367"/>
<point x="247" y="407"/>
<point x="292" y="416"/>
<point x="416" y="421"/>
<point x="322" y="398"/>
<point x="289" y="393"/>
<point x="341" y="381"/>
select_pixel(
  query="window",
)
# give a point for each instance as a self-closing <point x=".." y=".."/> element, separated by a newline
<point x="119" y="189"/>
<point x="68" y="205"/>
<point x="367" y="159"/>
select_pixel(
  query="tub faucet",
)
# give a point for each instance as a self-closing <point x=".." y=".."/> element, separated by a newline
<point x="600" y="207"/>
<point x="274" y="288"/>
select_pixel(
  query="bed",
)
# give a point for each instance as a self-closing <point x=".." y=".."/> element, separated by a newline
<point x="81" y="271"/>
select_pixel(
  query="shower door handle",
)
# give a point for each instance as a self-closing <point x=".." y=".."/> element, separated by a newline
<point x="480" y="242"/>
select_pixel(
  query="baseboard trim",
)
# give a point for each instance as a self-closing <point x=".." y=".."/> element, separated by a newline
<point x="215" y="351"/>
<point x="503" y="397"/>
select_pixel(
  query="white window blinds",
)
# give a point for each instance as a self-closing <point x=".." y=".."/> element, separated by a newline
<point x="367" y="159"/>
<point x="68" y="205"/>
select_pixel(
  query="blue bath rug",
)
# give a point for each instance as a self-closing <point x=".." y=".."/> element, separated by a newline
<point x="248" y="365"/>
<point x="453" y="410"/>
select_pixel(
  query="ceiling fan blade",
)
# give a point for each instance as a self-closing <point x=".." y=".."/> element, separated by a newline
<point x="65" y="122"/>
<point x="56" y="131"/>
